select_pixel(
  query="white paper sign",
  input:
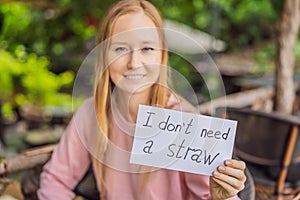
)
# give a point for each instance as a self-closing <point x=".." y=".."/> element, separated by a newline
<point x="181" y="141"/>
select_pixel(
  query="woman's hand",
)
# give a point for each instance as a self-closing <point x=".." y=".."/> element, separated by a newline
<point x="228" y="179"/>
<point x="181" y="104"/>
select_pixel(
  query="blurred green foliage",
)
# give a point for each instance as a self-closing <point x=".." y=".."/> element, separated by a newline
<point x="42" y="43"/>
<point x="265" y="56"/>
<point x="62" y="31"/>
<point x="26" y="79"/>
<point x="237" y="22"/>
<point x="52" y="32"/>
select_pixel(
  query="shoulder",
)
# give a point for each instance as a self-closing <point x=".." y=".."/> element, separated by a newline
<point x="87" y="104"/>
<point x="86" y="108"/>
<point x="85" y="116"/>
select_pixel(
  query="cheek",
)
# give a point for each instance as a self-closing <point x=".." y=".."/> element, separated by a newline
<point x="154" y="71"/>
<point x="115" y="72"/>
<point x="154" y="58"/>
<point x="113" y="77"/>
<point x="118" y="65"/>
<point x="154" y="65"/>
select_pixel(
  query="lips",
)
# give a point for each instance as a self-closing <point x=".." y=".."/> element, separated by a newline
<point x="134" y="76"/>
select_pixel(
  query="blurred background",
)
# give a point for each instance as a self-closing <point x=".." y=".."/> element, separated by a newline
<point x="43" y="43"/>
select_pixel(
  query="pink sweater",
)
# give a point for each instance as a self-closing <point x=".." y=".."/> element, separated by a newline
<point x="72" y="157"/>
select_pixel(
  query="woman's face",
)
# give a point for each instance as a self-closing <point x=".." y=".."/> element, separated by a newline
<point x="134" y="54"/>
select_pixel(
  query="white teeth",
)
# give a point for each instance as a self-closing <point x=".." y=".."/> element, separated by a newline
<point x="134" y="77"/>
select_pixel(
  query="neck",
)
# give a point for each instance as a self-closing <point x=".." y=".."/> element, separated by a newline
<point x="128" y="104"/>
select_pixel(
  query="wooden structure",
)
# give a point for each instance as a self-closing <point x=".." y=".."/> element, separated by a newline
<point x="270" y="145"/>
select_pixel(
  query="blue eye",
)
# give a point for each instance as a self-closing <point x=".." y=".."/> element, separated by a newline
<point x="147" y="49"/>
<point x="121" y="49"/>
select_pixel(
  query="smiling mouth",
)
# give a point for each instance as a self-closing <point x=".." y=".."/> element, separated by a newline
<point x="134" y="77"/>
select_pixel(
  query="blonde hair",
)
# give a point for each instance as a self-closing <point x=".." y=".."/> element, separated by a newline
<point x="103" y="86"/>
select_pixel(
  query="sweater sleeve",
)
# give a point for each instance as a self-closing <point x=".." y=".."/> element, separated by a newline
<point x="197" y="186"/>
<point x="67" y="166"/>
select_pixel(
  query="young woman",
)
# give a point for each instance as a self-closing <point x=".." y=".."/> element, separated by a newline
<point x="132" y="70"/>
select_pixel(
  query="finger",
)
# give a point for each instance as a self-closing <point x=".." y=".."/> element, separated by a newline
<point x="229" y="180"/>
<point x="237" y="164"/>
<point x="231" y="191"/>
<point x="172" y="101"/>
<point x="235" y="173"/>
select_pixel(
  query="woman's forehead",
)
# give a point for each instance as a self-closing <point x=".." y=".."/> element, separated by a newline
<point x="130" y="21"/>
<point x="140" y="35"/>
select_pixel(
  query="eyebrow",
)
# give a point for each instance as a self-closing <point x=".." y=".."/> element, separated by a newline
<point x="125" y="43"/>
<point x="118" y="42"/>
<point x="149" y="42"/>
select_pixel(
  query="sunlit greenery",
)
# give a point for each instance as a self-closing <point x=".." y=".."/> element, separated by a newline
<point x="25" y="79"/>
<point x="237" y="22"/>
<point x="43" y="43"/>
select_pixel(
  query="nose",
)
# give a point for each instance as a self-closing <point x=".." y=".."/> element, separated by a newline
<point x="135" y="60"/>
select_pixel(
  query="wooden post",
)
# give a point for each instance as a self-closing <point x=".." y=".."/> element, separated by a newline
<point x="287" y="161"/>
<point x="288" y="35"/>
